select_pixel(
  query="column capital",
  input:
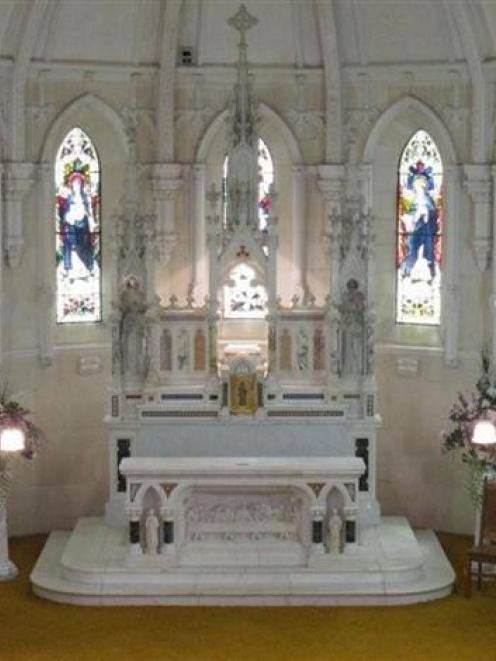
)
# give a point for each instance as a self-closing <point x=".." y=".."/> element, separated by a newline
<point x="166" y="179"/>
<point x="331" y="180"/>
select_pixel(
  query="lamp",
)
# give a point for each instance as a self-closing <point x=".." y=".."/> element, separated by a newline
<point x="12" y="441"/>
<point x="484" y="433"/>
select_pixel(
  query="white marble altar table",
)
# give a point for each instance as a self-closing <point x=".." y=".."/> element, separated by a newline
<point x="226" y="511"/>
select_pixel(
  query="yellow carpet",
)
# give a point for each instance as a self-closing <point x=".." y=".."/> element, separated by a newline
<point x="452" y="628"/>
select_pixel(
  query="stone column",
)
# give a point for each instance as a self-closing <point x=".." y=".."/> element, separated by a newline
<point x="167" y="530"/>
<point x="212" y="344"/>
<point x="478" y="186"/>
<point x="451" y="274"/>
<point x="317" y="514"/>
<point x="299" y="233"/>
<point x="134" y="535"/>
<point x="350" y="533"/>
<point x="198" y="236"/>
<point x="19" y="177"/>
<point x="166" y="183"/>
<point x="331" y="184"/>
<point x="7" y="568"/>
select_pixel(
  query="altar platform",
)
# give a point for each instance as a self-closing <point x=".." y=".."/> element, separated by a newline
<point x="391" y="565"/>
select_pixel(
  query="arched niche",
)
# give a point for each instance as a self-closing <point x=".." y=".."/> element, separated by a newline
<point x="286" y="155"/>
<point x="105" y="128"/>
<point x="382" y="152"/>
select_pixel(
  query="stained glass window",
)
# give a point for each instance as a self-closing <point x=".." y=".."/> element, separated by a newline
<point x="243" y="297"/>
<point x="77" y="235"/>
<point x="419" y="232"/>
<point x="265" y="181"/>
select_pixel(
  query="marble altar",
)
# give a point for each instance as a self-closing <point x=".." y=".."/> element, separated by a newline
<point x="240" y="428"/>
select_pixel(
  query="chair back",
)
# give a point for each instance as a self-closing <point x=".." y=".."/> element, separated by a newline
<point x="488" y="514"/>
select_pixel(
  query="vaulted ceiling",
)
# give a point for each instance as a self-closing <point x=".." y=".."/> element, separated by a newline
<point x="130" y="32"/>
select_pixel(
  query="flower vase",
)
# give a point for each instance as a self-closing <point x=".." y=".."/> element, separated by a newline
<point x="7" y="568"/>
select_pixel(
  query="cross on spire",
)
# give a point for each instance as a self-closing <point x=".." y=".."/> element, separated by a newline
<point x="242" y="21"/>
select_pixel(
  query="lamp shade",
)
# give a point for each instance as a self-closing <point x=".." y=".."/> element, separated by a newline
<point x="12" y="439"/>
<point x="484" y="433"/>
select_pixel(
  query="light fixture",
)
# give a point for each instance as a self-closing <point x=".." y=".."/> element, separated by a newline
<point x="484" y="433"/>
<point x="12" y="439"/>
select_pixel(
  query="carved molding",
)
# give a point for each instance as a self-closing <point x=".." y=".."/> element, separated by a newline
<point x="19" y="178"/>
<point x="479" y="187"/>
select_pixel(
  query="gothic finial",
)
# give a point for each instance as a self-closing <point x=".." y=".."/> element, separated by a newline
<point x="242" y="21"/>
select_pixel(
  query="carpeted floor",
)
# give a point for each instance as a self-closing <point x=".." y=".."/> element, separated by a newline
<point x="453" y="628"/>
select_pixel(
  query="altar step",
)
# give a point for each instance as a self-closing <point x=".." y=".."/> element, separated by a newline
<point x="391" y="566"/>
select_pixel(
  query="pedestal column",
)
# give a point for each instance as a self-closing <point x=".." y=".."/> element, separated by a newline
<point x="7" y="568"/>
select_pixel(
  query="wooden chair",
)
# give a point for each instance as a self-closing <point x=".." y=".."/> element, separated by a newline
<point x="485" y="550"/>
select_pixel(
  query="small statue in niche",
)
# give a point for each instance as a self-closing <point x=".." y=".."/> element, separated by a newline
<point x="353" y="330"/>
<point x="151" y="532"/>
<point x="302" y="350"/>
<point x="335" y="527"/>
<point x="132" y="348"/>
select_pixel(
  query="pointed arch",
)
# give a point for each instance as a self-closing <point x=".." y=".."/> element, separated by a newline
<point x="382" y="151"/>
<point x="426" y="116"/>
<point x="267" y="115"/>
<point x="87" y="111"/>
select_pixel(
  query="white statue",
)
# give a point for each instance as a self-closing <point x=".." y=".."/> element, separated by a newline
<point x="151" y="530"/>
<point x="353" y="330"/>
<point x="335" y="526"/>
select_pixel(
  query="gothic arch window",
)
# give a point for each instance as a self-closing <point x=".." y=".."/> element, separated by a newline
<point x="265" y="181"/>
<point x="77" y="229"/>
<point x="419" y="232"/>
<point x="243" y="297"/>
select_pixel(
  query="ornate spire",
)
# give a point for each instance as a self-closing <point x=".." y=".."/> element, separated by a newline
<point x="242" y="21"/>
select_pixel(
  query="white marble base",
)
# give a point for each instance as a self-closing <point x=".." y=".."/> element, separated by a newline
<point x="390" y="566"/>
<point x="8" y="571"/>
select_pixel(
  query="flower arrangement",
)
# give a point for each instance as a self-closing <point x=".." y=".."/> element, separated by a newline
<point x="12" y="414"/>
<point x="464" y="414"/>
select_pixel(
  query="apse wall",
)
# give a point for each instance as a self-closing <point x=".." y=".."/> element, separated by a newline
<point x="69" y="478"/>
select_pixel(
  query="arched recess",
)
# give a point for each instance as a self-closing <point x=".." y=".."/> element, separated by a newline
<point x="381" y="155"/>
<point x="425" y="115"/>
<point x="268" y="116"/>
<point x="289" y="183"/>
<point x="106" y="130"/>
